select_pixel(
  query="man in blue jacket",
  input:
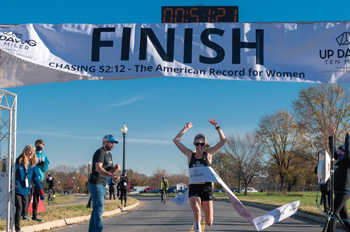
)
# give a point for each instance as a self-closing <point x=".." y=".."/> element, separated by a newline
<point x="42" y="166"/>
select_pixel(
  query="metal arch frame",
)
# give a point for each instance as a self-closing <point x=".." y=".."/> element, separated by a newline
<point x="8" y="132"/>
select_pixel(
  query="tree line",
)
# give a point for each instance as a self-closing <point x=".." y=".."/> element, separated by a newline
<point x="282" y="152"/>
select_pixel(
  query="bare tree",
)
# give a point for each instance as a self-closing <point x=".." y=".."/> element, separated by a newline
<point x="137" y="179"/>
<point x="177" y="179"/>
<point x="154" y="180"/>
<point x="280" y="136"/>
<point x="247" y="156"/>
<point x="223" y="164"/>
<point x="319" y="107"/>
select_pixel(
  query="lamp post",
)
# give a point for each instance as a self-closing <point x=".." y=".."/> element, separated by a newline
<point x="124" y="129"/>
<point x="73" y="183"/>
<point x="88" y="173"/>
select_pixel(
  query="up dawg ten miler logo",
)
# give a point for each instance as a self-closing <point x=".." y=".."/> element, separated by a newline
<point x="195" y="173"/>
<point x="14" y="40"/>
<point x="340" y="55"/>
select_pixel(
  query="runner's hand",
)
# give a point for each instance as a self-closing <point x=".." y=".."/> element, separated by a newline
<point x="188" y="125"/>
<point x="213" y="122"/>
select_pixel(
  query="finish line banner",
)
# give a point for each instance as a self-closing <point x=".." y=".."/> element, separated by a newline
<point x="42" y="53"/>
<point x="207" y="174"/>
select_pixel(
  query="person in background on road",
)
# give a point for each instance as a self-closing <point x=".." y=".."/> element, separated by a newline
<point x="111" y="184"/>
<point x="102" y="168"/>
<point x="118" y="191"/>
<point x="200" y="194"/>
<point x="124" y="184"/>
<point x="341" y="180"/>
<point x="42" y="166"/>
<point x="164" y="186"/>
<point x="50" y="185"/>
<point x="26" y="171"/>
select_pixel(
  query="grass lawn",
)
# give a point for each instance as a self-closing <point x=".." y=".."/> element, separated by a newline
<point x="58" y="211"/>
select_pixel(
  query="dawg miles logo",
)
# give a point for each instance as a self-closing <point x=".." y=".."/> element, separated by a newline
<point x="331" y="56"/>
<point x="14" y="40"/>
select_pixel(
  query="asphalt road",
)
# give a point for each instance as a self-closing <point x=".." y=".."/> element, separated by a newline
<point x="156" y="216"/>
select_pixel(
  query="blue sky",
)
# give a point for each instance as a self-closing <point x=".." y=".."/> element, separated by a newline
<point x="73" y="117"/>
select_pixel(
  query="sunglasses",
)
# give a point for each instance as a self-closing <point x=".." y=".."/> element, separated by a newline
<point x="200" y="144"/>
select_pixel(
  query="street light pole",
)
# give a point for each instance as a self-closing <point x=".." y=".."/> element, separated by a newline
<point x="88" y="174"/>
<point x="124" y="129"/>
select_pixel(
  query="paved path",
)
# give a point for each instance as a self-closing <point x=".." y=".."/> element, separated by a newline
<point x="155" y="216"/>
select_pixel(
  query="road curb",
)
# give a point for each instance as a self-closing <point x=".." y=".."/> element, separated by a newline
<point x="71" y="221"/>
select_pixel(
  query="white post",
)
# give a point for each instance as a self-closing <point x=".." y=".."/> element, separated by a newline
<point x="8" y="103"/>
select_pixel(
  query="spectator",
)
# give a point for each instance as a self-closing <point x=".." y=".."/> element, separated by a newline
<point x="111" y="184"/>
<point x="341" y="180"/>
<point x="26" y="171"/>
<point x="42" y="166"/>
<point x="102" y="168"/>
<point x="124" y="184"/>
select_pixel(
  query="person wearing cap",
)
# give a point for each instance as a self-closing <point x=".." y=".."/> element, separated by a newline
<point x="341" y="180"/>
<point x="124" y="184"/>
<point x="200" y="194"/>
<point x="102" y="168"/>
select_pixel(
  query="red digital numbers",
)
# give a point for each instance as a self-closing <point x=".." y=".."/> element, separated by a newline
<point x="168" y="13"/>
<point x="220" y="15"/>
<point x="195" y="14"/>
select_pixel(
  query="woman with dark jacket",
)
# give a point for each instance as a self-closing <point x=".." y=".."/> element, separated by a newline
<point x="341" y="179"/>
<point x="26" y="171"/>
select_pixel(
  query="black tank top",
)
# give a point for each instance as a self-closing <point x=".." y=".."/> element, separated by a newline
<point x="194" y="162"/>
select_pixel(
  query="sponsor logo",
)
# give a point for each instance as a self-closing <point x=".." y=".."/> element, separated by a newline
<point x="195" y="175"/>
<point x="263" y="219"/>
<point x="294" y="207"/>
<point x="344" y="39"/>
<point x="10" y="33"/>
<point x="15" y="40"/>
<point x="337" y="60"/>
<point x="195" y="171"/>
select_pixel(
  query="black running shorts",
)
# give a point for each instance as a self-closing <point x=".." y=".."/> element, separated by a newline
<point x="205" y="194"/>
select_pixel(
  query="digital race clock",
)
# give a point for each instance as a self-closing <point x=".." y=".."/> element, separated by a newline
<point x="196" y="14"/>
